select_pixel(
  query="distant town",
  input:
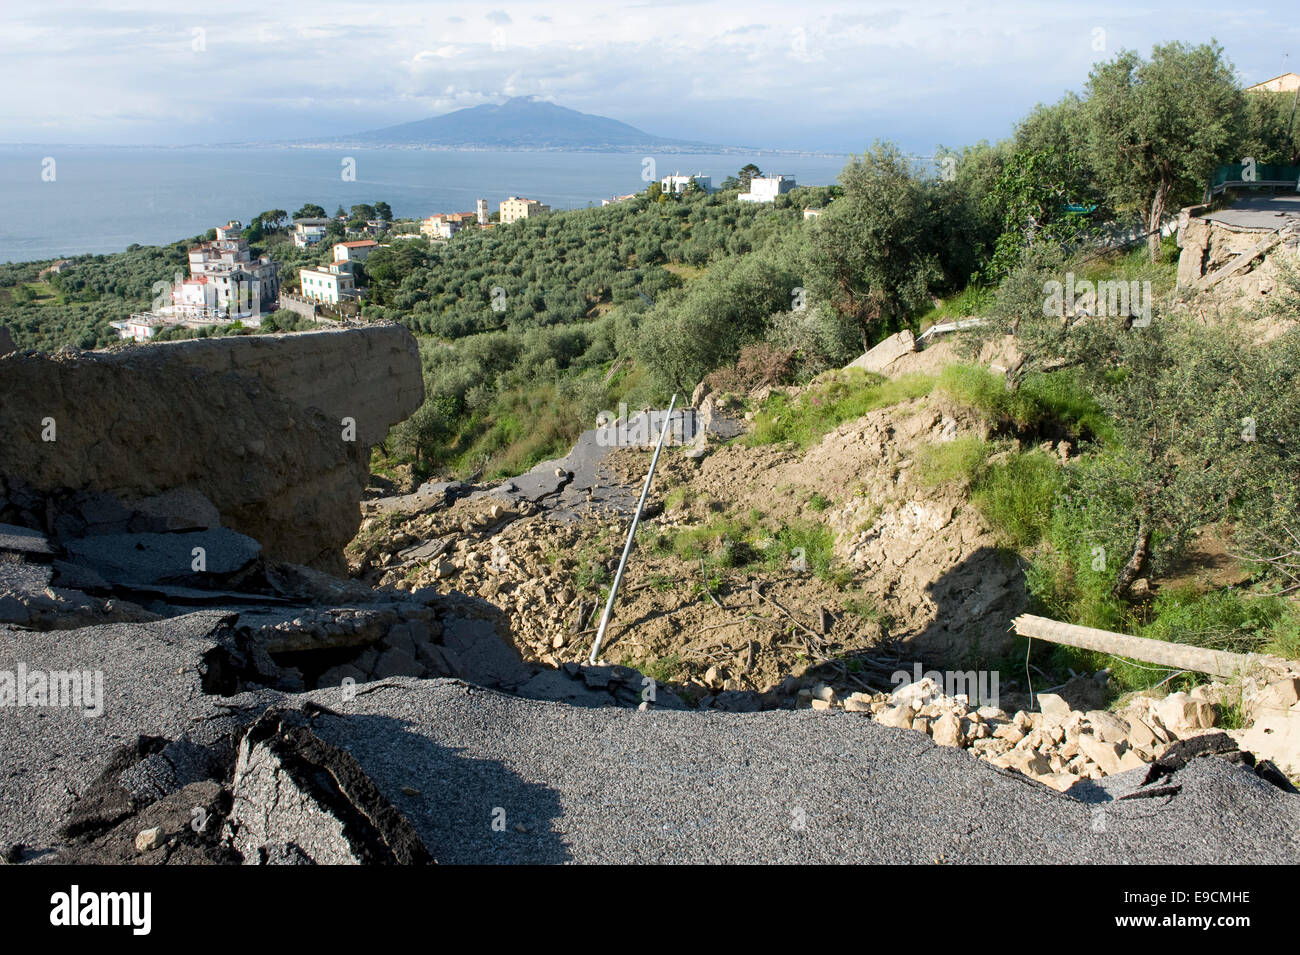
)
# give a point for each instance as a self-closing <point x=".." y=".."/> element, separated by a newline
<point x="226" y="285"/>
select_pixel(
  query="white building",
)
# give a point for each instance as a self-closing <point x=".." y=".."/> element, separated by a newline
<point x="677" y="183"/>
<point x="309" y="231"/>
<point x="617" y="199"/>
<point x="330" y="284"/>
<point x="355" y="251"/>
<point x="767" y="188"/>
<point x="234" y="276"/>
<point x="481" y="211"/>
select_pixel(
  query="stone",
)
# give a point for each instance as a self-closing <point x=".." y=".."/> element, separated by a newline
<point x="858" y="703"/>
<point x="148" y="840"/>
<point x="1141" y="736"/>
<point x="1054" y="710"/>
<point x="821" y="704"/>
<point x="397" y="662"/>
<point x="1105" y="755"/>
<point x="1108" y="727"/>
<point x="947" y="731"/>
<point x="1029" y="762"/>
<point x="917" y="694"/>
<point x="885" y="353"/>
<point x="900" y="716"/>
<point x="1276" y="698"/>
<point x="1183" y="716"/>
<point x="1058" y="781"/>
<point x="1274" y="737"/>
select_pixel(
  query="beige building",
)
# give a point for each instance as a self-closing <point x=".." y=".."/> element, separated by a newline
<point x="516" y="208"/>
<point x="1286" y="83"/>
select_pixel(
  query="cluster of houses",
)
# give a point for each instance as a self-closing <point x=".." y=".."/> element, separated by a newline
<point x="226" y="284"/>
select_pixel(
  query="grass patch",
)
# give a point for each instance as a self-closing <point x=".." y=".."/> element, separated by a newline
<point x="828" y="402"/>
<point x="948" y="461"/>
<point x="819" y="501"/>
<point x="732" y="543"/>
<point x="1015" y="495"/>
<point x="971" y="301"/>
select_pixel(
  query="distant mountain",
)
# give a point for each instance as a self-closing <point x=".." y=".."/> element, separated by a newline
<point x="523" y="122"/>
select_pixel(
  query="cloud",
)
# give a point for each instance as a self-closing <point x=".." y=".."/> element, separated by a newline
<point x="747" y="71"/>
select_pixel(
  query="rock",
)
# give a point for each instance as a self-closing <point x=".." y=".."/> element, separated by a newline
<point x="1055" y="711"/>
<point x="1276" y="698"/>
<point x="822" y="704"/>
<point x="1184" y="716"/>
<point x="148" y="840"/>
<point x="1058" y="781"/>
<point x="900" y="715"/>
<point x="1108" y="727"/>
<point x="885" y="353"/>
<point x="397" y="662"/>
<point x="917" y="694"/>
<point x="947" y="731"/>
<point x="1028" y="761"/>
<point x="1274" y="737"/>
<point x="1141" y="737"/>
<point x="858" y="703"/>
<point x="1105" y="755"/>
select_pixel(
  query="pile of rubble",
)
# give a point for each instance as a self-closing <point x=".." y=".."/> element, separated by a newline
<point x="1059" y="746"/>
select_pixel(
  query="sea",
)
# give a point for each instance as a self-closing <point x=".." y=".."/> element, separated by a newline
<point x="70" y="200"/>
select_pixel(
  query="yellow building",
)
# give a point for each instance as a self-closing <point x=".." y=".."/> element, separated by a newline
<point x="516" y="208"/>
<point x="1286" y="83"/>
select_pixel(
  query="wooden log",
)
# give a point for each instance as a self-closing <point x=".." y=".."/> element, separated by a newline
<point x="1179" y="656"/>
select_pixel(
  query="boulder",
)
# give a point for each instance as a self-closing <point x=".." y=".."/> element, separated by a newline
<point x="1184" y="716"/>
<point x="1054" y="710"/>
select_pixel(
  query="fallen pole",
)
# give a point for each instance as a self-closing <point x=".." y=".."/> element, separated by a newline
<point x="631" y="532"/>
<point x="1178" y="656"/>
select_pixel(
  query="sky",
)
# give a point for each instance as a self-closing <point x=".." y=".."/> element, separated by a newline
<point x="826" y="76"/>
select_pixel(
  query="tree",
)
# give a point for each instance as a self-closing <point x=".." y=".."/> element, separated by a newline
<point x="870" y="257"/>
<point x="1268" y="128"/>
<point x="272" y="218"/>
<point x="310" y="211"/>
<point x="383" y="211"/>
<point x="1157" y="129"/>
<point x="363" y="211"/>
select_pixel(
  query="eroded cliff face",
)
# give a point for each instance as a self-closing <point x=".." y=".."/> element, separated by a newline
<point x="275" y="431"/>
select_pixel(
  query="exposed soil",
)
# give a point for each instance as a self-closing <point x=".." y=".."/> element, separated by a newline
<point x="716" y="595"/>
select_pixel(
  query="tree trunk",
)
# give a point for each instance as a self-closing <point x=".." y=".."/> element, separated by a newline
<point x="1156" y="220"/>
<point x="1136" y="563"/>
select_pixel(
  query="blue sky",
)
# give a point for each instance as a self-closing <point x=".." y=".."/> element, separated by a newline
<point x="811" y="75"/>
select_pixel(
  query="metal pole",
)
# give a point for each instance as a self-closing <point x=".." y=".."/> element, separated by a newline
<point x="631" y="532"/>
